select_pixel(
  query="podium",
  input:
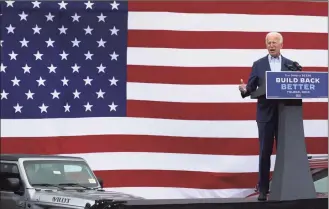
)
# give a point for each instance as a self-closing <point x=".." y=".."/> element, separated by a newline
<point x="292" y="178"/>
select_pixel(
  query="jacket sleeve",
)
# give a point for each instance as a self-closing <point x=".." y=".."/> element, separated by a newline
<point x="252" y="81"/>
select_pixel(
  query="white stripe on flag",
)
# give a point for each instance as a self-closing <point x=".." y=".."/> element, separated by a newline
<point x="172" y="161"/>
<point x="225" y="22"/>
<point x="190" y="93"/>
<point x="143" y="126"/>
<point x="218" y="57"/>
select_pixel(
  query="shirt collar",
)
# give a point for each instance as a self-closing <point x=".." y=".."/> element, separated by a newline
<point x="270" y="58"/>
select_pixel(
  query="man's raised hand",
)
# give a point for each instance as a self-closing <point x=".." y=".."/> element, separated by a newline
<point x="242" y="86"/>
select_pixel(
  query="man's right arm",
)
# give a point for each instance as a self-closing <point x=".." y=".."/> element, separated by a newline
<point x="252" y="82"/>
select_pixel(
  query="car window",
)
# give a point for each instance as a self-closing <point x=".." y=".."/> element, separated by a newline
<point x="9" y="168"/>
<point x="321" y="185"/>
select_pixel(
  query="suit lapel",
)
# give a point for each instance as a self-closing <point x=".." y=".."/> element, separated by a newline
<point x="265" y="67"/>
<point x="267" y="63"/>
<point x="283" y="61"/>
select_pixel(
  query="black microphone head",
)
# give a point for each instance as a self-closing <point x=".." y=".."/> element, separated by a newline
<point x="290" y="67"/>
<point x="297" y="65"/>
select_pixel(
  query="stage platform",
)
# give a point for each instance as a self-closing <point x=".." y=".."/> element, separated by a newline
<point x="226" y="203"/>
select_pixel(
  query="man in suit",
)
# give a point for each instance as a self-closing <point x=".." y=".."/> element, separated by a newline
<point x="267" y="110"/>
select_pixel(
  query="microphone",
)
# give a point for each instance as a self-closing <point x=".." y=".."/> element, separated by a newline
<point x="297" y="66"/>
<point x="290" y="67"/>
<point x="294" y="67"/>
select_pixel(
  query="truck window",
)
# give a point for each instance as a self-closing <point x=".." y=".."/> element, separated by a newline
<point x="321" y="185"/>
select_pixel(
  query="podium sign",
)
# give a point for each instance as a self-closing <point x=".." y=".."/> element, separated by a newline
<point x="296" y="85"/>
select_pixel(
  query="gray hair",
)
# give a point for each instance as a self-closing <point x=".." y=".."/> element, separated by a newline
<point x="276" y="34"/>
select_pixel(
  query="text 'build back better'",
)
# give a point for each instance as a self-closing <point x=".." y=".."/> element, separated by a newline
<point x="298" y="83"/>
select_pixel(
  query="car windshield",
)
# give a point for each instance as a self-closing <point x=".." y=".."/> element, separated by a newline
<point x="321" y="185"/>
<point x="59" y="172"/>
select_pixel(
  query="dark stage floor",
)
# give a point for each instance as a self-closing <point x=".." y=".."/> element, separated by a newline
<point x="227" y="203"/>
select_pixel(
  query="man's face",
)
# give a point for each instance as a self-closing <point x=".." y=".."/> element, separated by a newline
<point x="273" y="45"/>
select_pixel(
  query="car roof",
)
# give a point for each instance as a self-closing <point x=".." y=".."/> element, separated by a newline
<point x="318" y="161"/>
<point x="16" y="157"/>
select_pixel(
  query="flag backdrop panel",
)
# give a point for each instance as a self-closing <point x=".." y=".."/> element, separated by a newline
<point x="147" y="92"/>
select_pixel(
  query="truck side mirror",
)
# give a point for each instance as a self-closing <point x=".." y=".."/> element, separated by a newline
<point x="13" y="184"/>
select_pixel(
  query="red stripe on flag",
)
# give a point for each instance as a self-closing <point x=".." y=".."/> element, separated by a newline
<point x="213" y="111"/>
<point x="194" y="75"/>
<point x="233" y="7"/>
<point x="182" y="179"/>
<point x="163" y="144"/>
<point x="216" y="40"/>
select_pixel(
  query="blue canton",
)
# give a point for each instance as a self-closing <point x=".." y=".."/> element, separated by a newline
<point x="63" y="59"/>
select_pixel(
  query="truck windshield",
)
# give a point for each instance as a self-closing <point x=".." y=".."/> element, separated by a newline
<point x="59" y="172"/>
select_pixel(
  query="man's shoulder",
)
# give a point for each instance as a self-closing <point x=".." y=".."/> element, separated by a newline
<point x="287" y="60"/>
<point x="260" y="60"/>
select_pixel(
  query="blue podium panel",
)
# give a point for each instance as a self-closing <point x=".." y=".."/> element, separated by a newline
<point x="296" y="85"/>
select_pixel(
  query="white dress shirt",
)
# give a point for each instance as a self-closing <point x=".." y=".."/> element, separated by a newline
<point x="275" y="63"/>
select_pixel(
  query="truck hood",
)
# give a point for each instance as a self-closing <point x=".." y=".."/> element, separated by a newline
<point x="77" y="198"/>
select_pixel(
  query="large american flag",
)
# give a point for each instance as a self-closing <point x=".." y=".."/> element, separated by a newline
<point x="147" y="92"/>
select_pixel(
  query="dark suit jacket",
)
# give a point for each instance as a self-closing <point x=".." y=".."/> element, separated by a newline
<point x="266" y="108"/>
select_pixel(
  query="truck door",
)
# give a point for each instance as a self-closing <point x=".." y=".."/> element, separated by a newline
<point x="12" y="197"/>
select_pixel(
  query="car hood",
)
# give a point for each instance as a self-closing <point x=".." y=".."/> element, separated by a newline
<point x="77" y="198"/>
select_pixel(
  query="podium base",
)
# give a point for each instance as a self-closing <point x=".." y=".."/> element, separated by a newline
<point x="292" y="178"/>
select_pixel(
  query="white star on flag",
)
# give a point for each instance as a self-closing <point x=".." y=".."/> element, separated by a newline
<point x="18" y="108"/>
<point x="88" y="107"/>
<point x="4" y="94"/>
<point x="29" y="94"/>
<point x="113" y="107"/>
<point x="43" y="108"/>
<point x="26" y="69"/>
